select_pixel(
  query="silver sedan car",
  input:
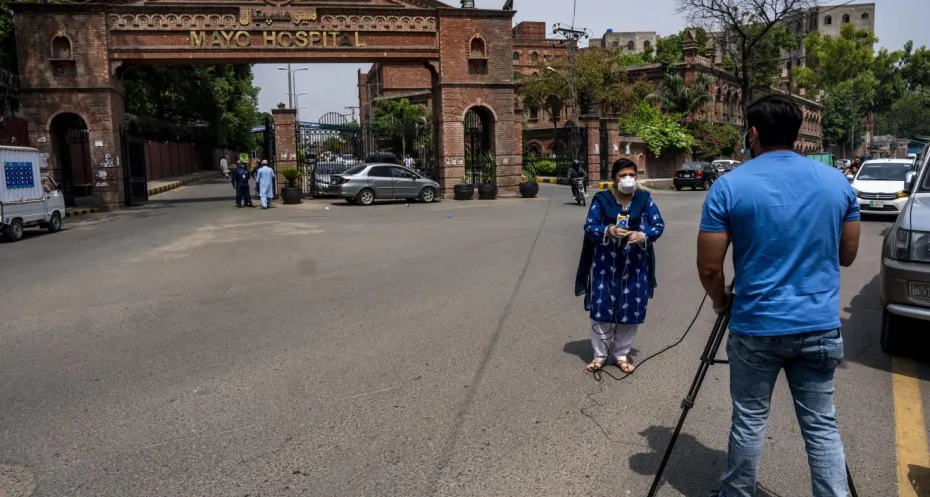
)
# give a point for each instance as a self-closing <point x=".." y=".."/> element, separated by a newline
<point x="364" y="183"/>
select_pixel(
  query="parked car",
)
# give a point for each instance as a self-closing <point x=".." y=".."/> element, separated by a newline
<point x="905" y="272"/>
<point x="879" y="185"/>
<point x="724" y="165"/>
<point x="365" y="183"/>
<point x="322" y="175"/>
<point x="695" y="175"/>
<point x="347" y="159"/>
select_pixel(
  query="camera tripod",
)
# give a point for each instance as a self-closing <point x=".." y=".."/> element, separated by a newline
<point x="708" y="359"/>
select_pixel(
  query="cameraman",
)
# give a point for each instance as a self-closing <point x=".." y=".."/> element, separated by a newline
<point x="792" y="223"/>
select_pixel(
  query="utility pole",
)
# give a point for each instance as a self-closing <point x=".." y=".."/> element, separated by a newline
<point x="290" y="87"/>
<point x="573" y="36"/>
<point x="353" y="109"/>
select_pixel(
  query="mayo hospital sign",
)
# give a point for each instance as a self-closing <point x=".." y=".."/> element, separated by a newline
<point x="274" y="39"/>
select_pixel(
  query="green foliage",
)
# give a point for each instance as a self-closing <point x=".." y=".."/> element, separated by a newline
<point x="7" y="41"/>
<point x="670" y="49"/>
<point x="909" y="116"/>
<point x="603" y="86"/>
<point x="398" y="116"/>
<point x="332" y="144"/>
<point x="544" y="167"/>
<point x="714" y="140"/>
<point x="843" y="115"/>
<point x="661" y="132"/>
<point x="763" y="55"/>
<point x="680" y="98"/>
<point x="291" y="175"/>
<point x="220" y="96"/>
<point x="529" y="171"/>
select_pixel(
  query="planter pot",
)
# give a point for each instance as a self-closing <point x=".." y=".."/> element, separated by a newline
<point x="463" y="192"/>
<point x="529" y="190"/>
<point x="291" y="195"/>
<point x="487" y="192"/>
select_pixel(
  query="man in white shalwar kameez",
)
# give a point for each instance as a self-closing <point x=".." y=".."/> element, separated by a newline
<point x="265" y="180"/>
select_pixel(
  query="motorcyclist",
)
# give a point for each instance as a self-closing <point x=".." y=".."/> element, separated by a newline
<point x="576" y="171"/>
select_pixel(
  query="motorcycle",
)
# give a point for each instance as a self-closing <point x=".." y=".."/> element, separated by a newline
<point x="580" y="189"/>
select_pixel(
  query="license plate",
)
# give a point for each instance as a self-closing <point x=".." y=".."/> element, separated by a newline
<point x="876" y="204"/>
<point x="686" y="175"/>
<point x="920" y="291"/>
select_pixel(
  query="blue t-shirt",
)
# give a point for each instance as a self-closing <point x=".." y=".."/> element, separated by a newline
<point x="785" y="214"/>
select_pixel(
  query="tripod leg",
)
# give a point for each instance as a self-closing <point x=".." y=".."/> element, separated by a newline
<point x="849" y="481"/>
<point x="710" y="351"/>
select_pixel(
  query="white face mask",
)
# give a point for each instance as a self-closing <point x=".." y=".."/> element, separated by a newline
<point x="627" y="184"/>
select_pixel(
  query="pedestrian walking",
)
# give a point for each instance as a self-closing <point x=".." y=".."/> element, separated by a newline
<point x="224" y="166"/>
<point x="616" y="272"/>
<point x="265" y="179"/>
<point x="792" y="222"/>
<point x="409" y="162"/>
<point x="240" y="182"/>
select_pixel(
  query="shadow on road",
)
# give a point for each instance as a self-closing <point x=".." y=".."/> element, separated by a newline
<point x="582" y="349"/>
<point x="224" y="198"/>
<point x="919" y="477"/>
<point x="694" y="469"/>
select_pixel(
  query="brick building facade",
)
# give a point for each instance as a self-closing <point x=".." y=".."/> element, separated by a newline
<point x="71" y="57"/>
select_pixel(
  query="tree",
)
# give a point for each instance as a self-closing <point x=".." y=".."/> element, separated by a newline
<point x="604" y="87"/>
<point x="398" y="118"/>
<point x="713" y="140"/>
<point x="680" y="98"/>
<point x="221" y="97"/>
<point x="909" y="116"/>
<point x="660" y="132"/>
<point x="745" y="30"/>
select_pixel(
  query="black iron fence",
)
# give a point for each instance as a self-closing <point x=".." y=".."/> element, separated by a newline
<point x="570" y="144"/>
<point x="327" y="149"/>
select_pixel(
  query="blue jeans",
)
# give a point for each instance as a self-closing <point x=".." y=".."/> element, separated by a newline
<point x="809" y="361"/>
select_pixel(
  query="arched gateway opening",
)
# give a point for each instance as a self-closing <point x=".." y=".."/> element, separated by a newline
<point x="72" y="57"/>
<point x="70" y="154"/>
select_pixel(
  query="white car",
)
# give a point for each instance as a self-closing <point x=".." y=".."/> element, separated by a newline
<point x="723" y="165"/>
<point x="880" y="186"/>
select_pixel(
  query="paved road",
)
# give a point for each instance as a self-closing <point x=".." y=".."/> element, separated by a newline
<point x="192" y="349"/>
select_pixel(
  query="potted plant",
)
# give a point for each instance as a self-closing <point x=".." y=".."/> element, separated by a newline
<point x="487" y="190"/>
<point x="463" y="190"/>
<point x="529" y="188"/>
<point x="291" y="193"/>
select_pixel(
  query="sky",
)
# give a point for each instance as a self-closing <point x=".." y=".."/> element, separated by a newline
<point x="332" y="87"/>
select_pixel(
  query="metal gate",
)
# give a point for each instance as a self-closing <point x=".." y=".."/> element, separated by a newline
<point x="134" y="180"/>
<point x="334" y="145"/>
<point x="604" y="151"/>
<point x="480" y="166"/>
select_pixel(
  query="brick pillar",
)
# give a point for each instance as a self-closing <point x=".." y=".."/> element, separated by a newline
<point x="594" y="149"/>
<point x="285" y="142"/>
<point x="613" y="141"/>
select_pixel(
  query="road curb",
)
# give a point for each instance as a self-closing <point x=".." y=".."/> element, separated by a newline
<point x="552" y="181"/>
<point x="178" y="184"/>
<point x="81" y="212"/>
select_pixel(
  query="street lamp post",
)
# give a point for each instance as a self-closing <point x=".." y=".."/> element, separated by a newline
<point x="291" y="83"/>
<point x="297" y="104"/>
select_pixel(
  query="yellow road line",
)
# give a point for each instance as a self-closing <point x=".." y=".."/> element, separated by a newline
<point x="910" y="430"/>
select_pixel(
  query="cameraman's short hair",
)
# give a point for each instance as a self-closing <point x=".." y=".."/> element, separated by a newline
<point x="777" y="119"/>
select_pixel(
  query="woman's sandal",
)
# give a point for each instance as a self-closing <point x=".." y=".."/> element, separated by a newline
<point x="626" y="366"/>
<point x="595" y="366"/>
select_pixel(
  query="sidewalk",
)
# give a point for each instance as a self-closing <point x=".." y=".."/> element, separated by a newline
<point x="168" y="184"/>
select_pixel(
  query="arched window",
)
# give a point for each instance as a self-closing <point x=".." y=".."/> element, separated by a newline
<point x="631" y="45"/>
<point x="865" y="15"/>
<point x="61" y="48"/>
<point x="534" y="57"/>
<point x="516" y="56"/>
<point x="478" y="48"/>
<point x="646" y="45"/>
<point x="845" y="18"/>
<point x="828" y="20"/>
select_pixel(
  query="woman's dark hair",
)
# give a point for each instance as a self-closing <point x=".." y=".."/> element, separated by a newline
<point x="620" y="165"/>
<point x="777" y="119"/>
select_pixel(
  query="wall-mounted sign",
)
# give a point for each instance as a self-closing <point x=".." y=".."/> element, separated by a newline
<point x="274" y="39"/>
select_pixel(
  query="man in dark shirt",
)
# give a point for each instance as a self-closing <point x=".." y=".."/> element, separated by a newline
<point x="240" y="181"/>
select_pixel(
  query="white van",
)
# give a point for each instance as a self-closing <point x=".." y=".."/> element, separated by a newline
<point x="27" y="198"/>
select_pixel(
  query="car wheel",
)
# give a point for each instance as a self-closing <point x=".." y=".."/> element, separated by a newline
<point x="366" y="197"/>
<point x="54" y="224"/>
<point x="427" y="195"/>
<point x="893" y="327"/>
<point x="14" y="231"/>
<point x="678" y="188"/>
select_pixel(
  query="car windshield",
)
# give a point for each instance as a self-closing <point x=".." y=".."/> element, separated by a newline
<point x="889" y="171"/>
<point x="355" y="170"/>
<point x="692" y="166"/>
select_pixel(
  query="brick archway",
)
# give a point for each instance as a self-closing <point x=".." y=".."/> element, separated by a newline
<point x="109" y="34"/>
